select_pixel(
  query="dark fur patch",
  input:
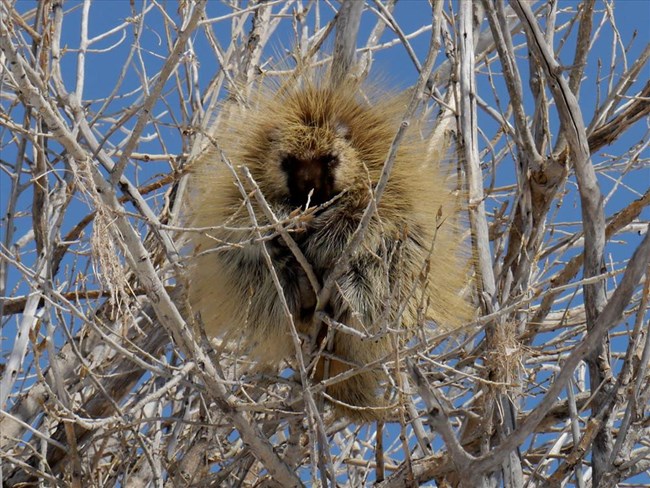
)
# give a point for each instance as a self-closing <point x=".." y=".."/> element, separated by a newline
<point x="303" y="176"/>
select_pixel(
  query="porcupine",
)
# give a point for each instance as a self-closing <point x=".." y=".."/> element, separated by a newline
<point x="309" y="142"/>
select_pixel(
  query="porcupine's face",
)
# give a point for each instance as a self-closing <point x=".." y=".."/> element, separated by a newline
<point x="314" y="174"/>
<point x="313" y="159"/>
<point x="308" y="148"/>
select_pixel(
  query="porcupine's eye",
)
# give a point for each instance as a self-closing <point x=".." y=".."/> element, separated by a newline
<point x="315" y="174"/>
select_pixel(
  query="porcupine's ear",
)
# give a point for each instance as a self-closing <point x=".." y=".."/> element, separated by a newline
<point x="273" y="134"/>
<point x="342" y="129"/>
